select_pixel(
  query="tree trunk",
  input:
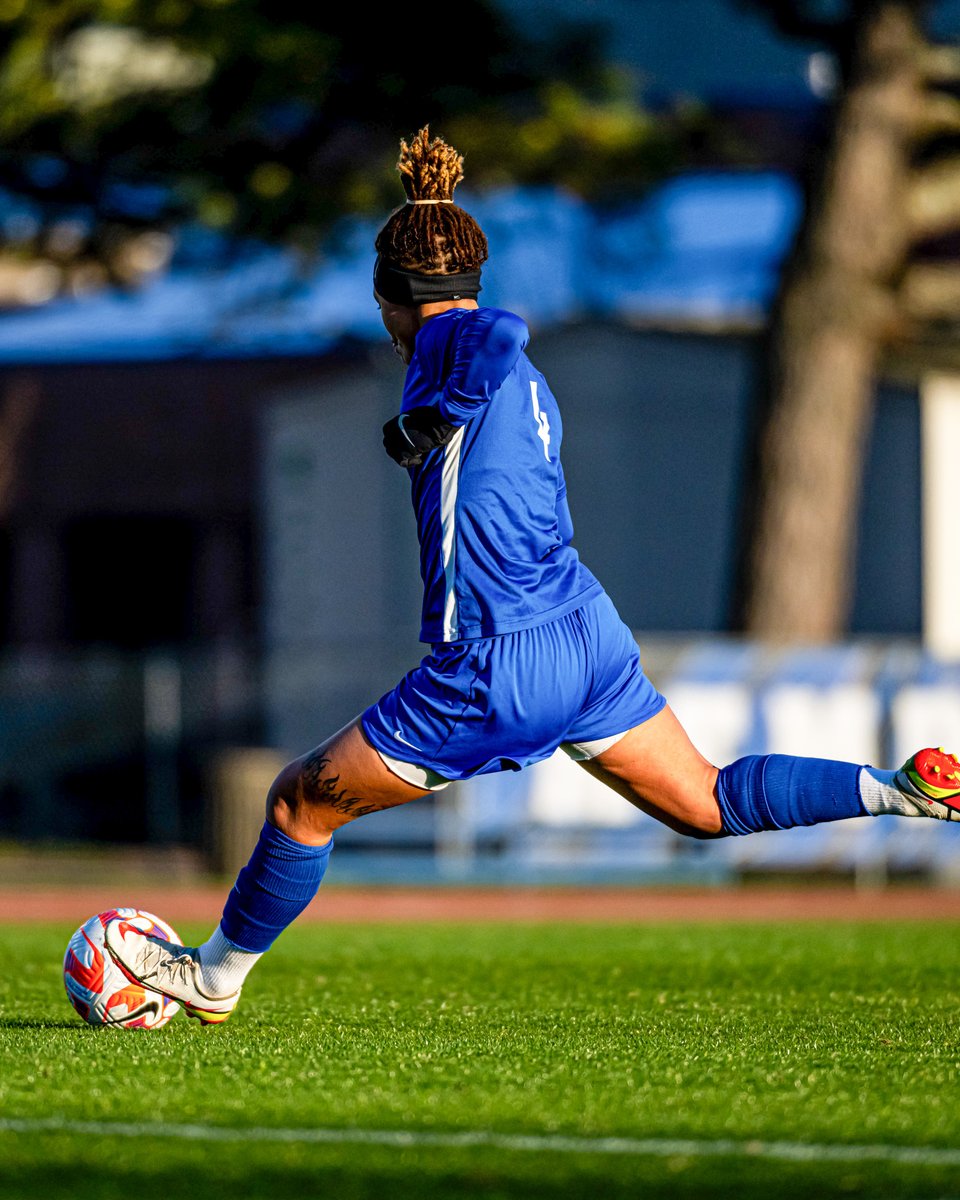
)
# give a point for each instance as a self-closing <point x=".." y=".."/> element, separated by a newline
<point x="837" y="306"/>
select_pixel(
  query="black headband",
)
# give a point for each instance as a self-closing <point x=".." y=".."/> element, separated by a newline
<point x="410" y="288"/>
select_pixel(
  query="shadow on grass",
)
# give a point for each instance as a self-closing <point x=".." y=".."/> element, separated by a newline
<point x="31" y="1023"/>
<point x="366" y="1174"/>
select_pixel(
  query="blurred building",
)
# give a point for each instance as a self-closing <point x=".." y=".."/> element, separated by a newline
<point x="204" y="544"/>
<point x="132" y="513"/>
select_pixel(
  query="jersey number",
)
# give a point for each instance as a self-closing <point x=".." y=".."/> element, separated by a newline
<point x="543" y="425"/>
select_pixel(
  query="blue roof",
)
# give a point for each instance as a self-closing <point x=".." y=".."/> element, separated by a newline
<point x="703" y="247"/>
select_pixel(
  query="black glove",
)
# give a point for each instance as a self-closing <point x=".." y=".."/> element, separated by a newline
<point x="412" y="435"/>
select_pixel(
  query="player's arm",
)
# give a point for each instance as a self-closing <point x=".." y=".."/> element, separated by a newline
<point x="485" y="353"/>
<point x="407" y="438"/>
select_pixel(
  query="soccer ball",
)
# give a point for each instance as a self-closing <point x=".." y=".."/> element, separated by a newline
<point x="96" y="986"/>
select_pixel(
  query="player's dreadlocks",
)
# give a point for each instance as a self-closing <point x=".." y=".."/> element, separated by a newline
<point x="431" y="234"/>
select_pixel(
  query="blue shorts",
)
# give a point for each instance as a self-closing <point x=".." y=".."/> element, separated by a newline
<point x="502" y="703"/>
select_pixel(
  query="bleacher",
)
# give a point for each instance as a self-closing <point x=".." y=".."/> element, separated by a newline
<point x="863" y="701"/>
<point x="872" y="702"/>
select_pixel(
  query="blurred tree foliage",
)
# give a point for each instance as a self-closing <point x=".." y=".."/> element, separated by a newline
<point x="270" y="119"/>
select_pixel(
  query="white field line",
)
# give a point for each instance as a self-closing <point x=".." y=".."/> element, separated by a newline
<point x="921" y="1156"/>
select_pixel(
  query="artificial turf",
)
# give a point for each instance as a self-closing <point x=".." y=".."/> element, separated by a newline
<point x="812" y="1035"/>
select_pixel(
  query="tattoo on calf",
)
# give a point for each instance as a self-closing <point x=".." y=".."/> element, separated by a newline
<point x="323" y="789"/>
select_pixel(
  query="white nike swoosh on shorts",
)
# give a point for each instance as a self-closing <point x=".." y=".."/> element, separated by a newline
<point x="400" y="738"/>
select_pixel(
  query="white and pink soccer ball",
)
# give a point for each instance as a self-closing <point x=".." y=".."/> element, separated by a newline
<point x="96" y="986"/>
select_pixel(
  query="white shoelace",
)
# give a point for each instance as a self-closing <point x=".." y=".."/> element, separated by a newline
<point x="163" y="963"/>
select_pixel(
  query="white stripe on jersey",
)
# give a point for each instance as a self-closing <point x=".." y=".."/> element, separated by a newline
<point x="449" y="482"/>
<point x="543" y="424"/>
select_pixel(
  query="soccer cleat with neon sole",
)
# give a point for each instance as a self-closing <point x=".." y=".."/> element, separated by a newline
<point x="168" y="968"/>
<point x="930" y="780"/>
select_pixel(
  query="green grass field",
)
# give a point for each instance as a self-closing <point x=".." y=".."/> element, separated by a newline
<point x="839" y="1036"/>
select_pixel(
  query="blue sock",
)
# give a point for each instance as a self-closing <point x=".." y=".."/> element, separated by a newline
<point x="273" y="889"/>
<point x="779" y="792"/>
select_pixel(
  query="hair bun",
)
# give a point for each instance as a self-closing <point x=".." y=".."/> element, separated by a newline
<point x="429" y="170"/>
<point x="431" y="234"/>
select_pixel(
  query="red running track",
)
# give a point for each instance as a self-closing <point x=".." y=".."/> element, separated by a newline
<point x="570" y="905"/>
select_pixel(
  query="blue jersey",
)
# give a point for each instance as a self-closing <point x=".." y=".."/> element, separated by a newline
<point x="492" y="515"/>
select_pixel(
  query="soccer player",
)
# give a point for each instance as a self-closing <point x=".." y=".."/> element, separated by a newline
<point x="527" y="651"/>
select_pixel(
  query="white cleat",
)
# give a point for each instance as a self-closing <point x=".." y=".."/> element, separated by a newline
<point x="168" y="968"/>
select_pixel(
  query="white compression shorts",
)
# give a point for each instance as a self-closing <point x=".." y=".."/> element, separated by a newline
<point x="423" y="777"/>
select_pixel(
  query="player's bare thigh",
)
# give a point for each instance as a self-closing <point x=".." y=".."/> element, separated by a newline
<point x="657" y="768"/>
<point x="342" y="779"/>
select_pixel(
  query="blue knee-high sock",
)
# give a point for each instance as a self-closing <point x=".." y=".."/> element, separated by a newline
<point x="273" y="889"/>
<point x="778" y="791"/>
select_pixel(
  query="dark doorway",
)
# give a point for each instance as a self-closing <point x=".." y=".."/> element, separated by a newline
<point x="129" y="580"/>
<point x="6" y="587"/>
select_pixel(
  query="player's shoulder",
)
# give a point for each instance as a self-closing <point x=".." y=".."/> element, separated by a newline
<point x="498" y="327"/>
<point x="490" y="339"/>
<point x="500" y="318"/>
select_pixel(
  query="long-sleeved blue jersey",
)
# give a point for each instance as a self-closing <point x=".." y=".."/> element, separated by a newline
<point x="492" y="515"/>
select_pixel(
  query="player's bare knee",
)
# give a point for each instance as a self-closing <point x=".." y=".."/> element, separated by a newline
<point x="706" y="831"/>
<point x="700" y="817"/>
<point x="707" y="822"/>
<point x="310" y="796"/>
<point x="300" y="789"/>
<point x="285" y="799"/>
